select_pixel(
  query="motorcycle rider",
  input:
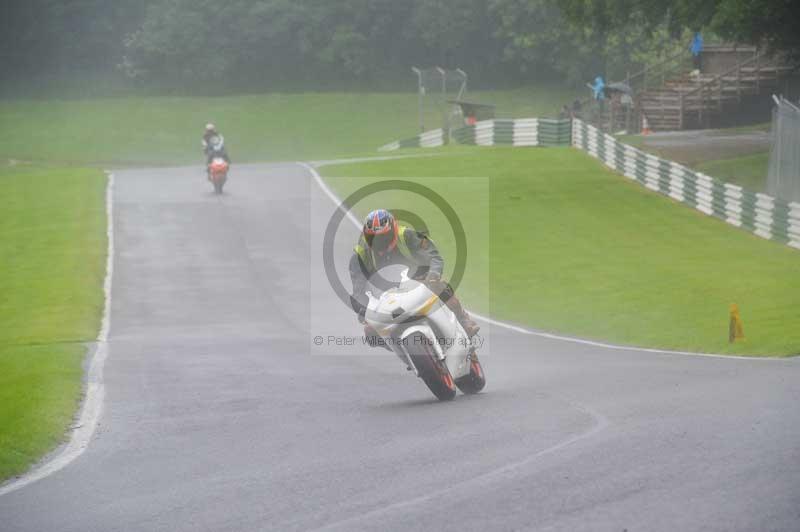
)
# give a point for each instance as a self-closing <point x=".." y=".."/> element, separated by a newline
<point x="384" y="242"/>
<point x="208" y="145"/>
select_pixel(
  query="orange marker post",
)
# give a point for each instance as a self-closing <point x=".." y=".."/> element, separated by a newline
<point x="735" y="329"/>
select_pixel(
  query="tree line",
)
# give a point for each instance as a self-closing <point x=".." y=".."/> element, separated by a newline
<point x="316" y="44"/>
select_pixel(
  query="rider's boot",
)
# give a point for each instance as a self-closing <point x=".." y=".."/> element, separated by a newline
<point x="371" y="335"/>
<point x="473" y="356"/>
<point x="469" y="325"/>
<point x="463" y="317"/>
<point x="447" y="294"/>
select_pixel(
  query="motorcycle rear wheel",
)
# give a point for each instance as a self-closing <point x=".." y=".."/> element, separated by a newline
<point x="432" y="371"/>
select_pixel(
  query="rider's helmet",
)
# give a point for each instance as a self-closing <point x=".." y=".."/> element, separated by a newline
<point x="380" y="231"/>
<point x="211" y="128"/>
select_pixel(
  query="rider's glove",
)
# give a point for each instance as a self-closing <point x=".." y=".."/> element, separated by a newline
<point x="361" y="316"/>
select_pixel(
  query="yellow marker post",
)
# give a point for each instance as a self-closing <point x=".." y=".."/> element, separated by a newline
<point x="735" y="329"/>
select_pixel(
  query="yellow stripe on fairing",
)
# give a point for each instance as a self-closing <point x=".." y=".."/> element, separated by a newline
<point x="426" y="307"/>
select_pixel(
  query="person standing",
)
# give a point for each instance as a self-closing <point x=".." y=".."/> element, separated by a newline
<point x="598" y="89"/>
<point x="599" y="94"/>
<point x="697" y="51"/>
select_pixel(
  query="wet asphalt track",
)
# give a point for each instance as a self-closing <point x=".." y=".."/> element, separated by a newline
<point x="220" y="414"/>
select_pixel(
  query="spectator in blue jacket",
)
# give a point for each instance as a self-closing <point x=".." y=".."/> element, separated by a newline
<point x="697" y="50"/>
<point x="599" y="88"/>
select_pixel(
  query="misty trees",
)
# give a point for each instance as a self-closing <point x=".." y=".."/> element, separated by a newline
<point x="280" y="41"/>
<point x="293" y="43"/>
<point x="773" y="22"/>
<point x="268" y="40"/>
<point x="284" y="40"/>
<point x="40" y="37"/>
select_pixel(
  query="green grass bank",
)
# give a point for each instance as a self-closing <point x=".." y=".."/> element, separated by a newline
<point x="53" y="251"/>
<point x="749" y="172"/>
<point x="166" y="131"/>
<point x="576" y="249"/>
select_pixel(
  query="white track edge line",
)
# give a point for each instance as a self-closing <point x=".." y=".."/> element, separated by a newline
<point x="331" y="194"/>
<point x="333" y="197"/>
<point x="92" y="408"/>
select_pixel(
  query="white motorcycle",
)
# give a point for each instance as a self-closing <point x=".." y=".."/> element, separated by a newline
<point x="414" y="323"/>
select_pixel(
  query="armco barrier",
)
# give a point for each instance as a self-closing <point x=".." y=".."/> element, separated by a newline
<point x="517" y="132"/>
<point x="760" y="214"/>
<point x="510" y="132"/>
<point x="429" y="139"/>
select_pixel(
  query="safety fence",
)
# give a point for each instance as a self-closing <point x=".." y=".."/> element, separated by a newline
<point x="760" y="214"/>
<point x="509" y="132"/>
<point x="783" y="179"/>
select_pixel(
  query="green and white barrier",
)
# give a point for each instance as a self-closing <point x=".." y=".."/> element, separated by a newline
<point x="516" y="132"/>
<point x="760" y="214"/>
<point x="429" y="139"/>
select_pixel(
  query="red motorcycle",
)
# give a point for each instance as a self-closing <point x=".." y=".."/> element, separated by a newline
<point x="218" y="165"/>
<point x="218" y="173"/>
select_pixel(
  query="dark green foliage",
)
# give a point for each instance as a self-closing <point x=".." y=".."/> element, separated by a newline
<point x="773" y="22"/>
<point x="211" y="45"/>
<point x="47" y="38"/>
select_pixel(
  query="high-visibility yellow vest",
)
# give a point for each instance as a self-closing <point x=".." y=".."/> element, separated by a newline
<point x="367" y="256"/>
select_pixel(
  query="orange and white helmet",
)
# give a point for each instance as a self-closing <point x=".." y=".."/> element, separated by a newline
<point x="380" y="231"/>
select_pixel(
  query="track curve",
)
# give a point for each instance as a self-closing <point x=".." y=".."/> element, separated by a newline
<point x="221" y="414"/>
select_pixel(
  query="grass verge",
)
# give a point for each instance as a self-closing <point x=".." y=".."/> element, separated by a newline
<point x="53" y="248"/>
<point x="162" y="130"/>
<point x="576" y="249"/>
<point x="749" y="171"/>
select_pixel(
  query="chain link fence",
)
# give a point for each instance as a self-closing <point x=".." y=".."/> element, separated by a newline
<point x="783" y="179"/>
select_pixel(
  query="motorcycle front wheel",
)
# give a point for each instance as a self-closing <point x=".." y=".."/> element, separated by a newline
<point x="474" y="381"/>
<point x="431" y="370"/>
